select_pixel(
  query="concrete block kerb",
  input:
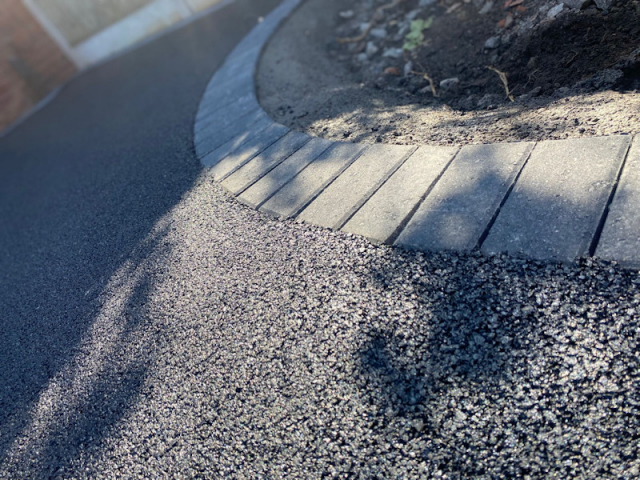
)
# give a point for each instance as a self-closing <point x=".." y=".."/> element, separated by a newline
<point x="272" y="182"/>
<point x="301" y="190"/>
<point x="462" y="203"/>
<point x="384" y="213"/>
<point x="555" y="208"/>
<point x="553" y="200"/>
<point x="340" y="200"/>
<point x="620" y="238"/>
<point x="247" y="151"/>
<point x="218" y="144"/>
<point x="261" y="164"/>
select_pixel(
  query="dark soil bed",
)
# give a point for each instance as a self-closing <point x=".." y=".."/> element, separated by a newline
<point x="482" y="72"/>
<point x="585" y="49"/>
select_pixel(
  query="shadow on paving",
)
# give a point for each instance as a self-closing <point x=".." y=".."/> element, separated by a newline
<point x="524" y="364"/>
<point x="548" y="213"/>
<point x="83" y="186"/>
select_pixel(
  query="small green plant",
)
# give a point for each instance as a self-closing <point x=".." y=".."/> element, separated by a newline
<point x="415" y="37"/>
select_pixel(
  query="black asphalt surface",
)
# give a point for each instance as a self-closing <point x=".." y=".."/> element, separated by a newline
<point x="83" y="182"/>
<point x="152" y="327"/>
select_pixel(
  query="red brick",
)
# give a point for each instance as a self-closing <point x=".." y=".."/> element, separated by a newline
<point x="31" y="64"/>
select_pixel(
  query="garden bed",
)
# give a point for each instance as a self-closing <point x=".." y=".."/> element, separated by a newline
<point x="454" y="72"/>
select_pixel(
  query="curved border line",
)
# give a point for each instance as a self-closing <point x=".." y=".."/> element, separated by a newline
<point x="474" y="197"/>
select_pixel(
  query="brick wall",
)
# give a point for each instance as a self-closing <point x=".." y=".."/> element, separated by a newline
<point x="31" y="64"/>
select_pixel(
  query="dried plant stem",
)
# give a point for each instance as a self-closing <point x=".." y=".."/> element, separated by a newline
<point x="505" y="83"/>
<point x="429" y="79"/>
<point x="575" y="55"/>
<point x="376" y="17"/>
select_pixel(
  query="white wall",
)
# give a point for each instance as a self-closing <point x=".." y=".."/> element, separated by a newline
<point x="85" y="50"/>
<point x="78" y="20"/>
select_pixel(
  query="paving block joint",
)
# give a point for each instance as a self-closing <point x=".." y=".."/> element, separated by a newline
<point x="546" y="201"/>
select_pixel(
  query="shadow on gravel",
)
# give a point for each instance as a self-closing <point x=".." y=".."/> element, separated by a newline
<point x="460" y="338"/>
<point x="83" y="185"/>
<point x="84" y="401"/>
<point x="504" y="364"/>
<point x="508" y="367"/>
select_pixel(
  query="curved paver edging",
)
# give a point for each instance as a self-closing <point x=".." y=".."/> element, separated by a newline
<point x="549" y="200"/>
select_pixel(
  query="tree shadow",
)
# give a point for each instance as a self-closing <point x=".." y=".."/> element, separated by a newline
<point x="498" y="355"/>
<point x="309" y="85"/>
<point x="498" y="345"/>
<point x="470" y="376"/>
<point x="95" y="386"/>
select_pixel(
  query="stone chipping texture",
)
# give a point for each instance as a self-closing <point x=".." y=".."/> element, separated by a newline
<point x="239" y="346"/>
<point x="166" y="331"/>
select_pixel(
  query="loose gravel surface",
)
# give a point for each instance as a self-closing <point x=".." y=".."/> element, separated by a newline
<point x="162" y="330"/>
<point x="243" y="347"/>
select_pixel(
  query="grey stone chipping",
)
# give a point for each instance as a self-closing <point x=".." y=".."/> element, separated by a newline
<point x="152" y="327"/>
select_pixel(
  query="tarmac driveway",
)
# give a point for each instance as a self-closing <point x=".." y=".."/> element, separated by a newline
<point x="152" y="327"/>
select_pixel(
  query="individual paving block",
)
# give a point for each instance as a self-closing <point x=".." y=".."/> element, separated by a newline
<point x="208" y="112"/>
<point x="226" y="79"/>
<point x="222" y="83"/>
<point x="237" y="65"/>
<point x="355" y="185"/>
<point x="220" y="143"/>
<point x="234" y="86"/>
<point x="206" y="127"/>
<point x="219" y="95"/>
<point x="258" y="36"/>
<point x="232" y="110"/>
<point x="620" y="239"/>
<point x="246" y="134"/>
<point x="460" y="206"/>
<point x="259" y="165"/>
<point x="273" y="181"/>
<point x="303" y="188"/>
<point x="384" y="212"/>
<point x="261" y="33"/>
<point x="248" y="150"/>
<point x="557" y="203"/>
<point x="224" y="117"/>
